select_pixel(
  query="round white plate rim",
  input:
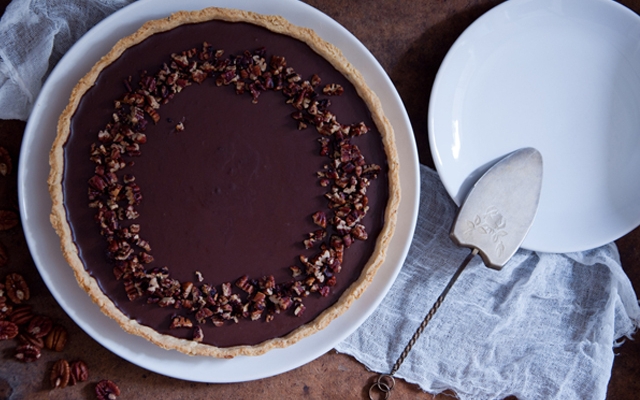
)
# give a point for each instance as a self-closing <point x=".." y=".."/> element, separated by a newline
<point x="457" y="174"/>
<point x="44" y="244"/>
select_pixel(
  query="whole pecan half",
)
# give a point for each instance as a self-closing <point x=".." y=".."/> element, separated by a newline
<point x="5" y="162"/>
<point x="79" y="372"/>
<point x="16" y="287"/>
<point x="8" y="220"/>
<point x="107" y="390"/>
<point x="180" y="322"/>
<point x="26" y="338"/>
<point x="40" y="326"/>
<point x="8" y="330"/>
<point x="60" y="374"/>
<point x="27" y="353"/>
<point x="346" y="177"/>
<point x="21" y="315"/>
<point x="4" y="256"/>
<point x="56" y="339"/>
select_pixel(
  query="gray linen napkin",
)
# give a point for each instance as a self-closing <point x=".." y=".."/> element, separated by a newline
<point x="542" y="328"/>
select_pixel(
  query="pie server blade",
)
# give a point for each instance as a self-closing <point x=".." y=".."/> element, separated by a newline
<point x="500" y="208"/>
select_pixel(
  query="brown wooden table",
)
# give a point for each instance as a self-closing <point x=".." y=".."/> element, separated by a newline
<point x="410" y="40"/>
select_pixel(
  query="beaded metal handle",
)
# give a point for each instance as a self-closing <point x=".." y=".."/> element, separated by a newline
<point x="386" y="382"/>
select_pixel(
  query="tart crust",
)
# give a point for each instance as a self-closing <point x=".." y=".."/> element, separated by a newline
<point x="276" y="24"/>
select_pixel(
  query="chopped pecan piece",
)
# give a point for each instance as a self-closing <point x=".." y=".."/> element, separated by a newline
<point x="226" y="289"/>
<point x="359" y="232"/>
<point x="358" y="129"/>
<point x="299" y="310"/>
<point x="98" y="183"/>
<point x="187" y="287"/>
<point x="180" y="321"/>
<point x="324" y="291"/>
<point x="320" y="219"/>
<point x="333" y="89"/>
<point x="203" y="314"/>
<point x="347" y="240"/>
<point x="282" y="302"/>
<point x="315" y="80"/>
<point x="295" y="271"/>
<point x="198" y="334"/>
<point x="245" y="284"/>
<point x="314" y="238"/>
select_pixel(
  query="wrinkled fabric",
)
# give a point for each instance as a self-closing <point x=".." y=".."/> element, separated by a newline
<point x="34" y="34"/>
<point x="544" y="327"/>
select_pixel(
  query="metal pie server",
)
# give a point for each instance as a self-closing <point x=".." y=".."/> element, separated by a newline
<point x="493" y="221"/>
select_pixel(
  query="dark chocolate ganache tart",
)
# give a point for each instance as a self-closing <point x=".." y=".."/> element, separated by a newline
<point x="224" y="183"/>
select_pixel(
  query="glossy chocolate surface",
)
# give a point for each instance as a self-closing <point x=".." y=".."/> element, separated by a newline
<point x="234" y="192"/>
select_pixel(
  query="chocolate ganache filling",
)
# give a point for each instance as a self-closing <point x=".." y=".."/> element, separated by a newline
<point x="230" y="186"/>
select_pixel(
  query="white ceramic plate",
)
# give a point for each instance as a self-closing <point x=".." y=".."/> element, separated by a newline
<point x="35" y="204"/>
<point x="562" y="76"/>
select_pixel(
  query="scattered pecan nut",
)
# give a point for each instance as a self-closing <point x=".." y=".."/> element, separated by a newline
<point x="5" y="162"/>
<point x="8" y="330"/>
<point x="21" y="315"/>
<point x="8" y="219"/>
<point x="26" y="338"/>
<point x="107" y="390"/>
<point x="40" y="326"/>
<point x="198" y="334"/>
<point x="5" y="308"/>
<point x="4" y="256"/>
<point x="16" y="287"/>
<point x="56" y="339"/>
<point x="320" y="219"/>
<point x="60" y="374"/>
<point x="79" y="372"/>
<point x="27" y="353"/>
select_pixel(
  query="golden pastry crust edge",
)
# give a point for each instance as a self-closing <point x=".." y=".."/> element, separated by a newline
<point x="276" y="24"/>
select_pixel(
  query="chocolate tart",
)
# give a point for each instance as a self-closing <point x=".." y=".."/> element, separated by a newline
<point x="223" y="183"/>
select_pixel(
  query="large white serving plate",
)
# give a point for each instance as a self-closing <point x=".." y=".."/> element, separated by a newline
<point x="35" y="204"/>
<point x="562" y="76"/>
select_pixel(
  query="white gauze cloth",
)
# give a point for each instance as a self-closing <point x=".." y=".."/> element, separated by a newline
<point x="34" y="34"/>
<point x="542" y="328"/>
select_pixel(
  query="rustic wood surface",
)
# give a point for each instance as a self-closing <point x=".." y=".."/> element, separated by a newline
<point x="410" y="40"/>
